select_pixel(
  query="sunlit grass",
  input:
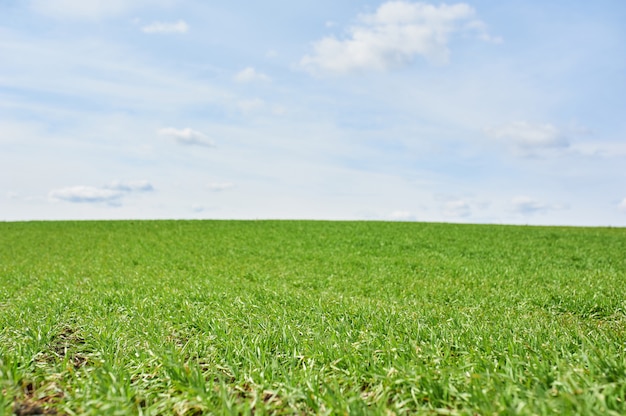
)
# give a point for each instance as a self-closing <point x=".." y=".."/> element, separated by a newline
<point x="194" y="317"/>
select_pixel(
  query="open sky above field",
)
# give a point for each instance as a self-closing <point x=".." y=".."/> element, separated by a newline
<point x="479" y="111"/>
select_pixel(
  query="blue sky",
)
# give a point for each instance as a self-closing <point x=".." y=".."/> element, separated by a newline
<point x="491" y="112"/>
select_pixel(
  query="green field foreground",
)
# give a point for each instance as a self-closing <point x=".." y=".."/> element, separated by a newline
<point x="304" y="317"/>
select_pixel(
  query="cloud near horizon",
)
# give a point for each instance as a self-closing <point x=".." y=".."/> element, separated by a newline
<point x="134" y="186"/>
<point x="110" y="194"/>
<point x="393" y="36"/>
<point x="186" y="136"/>
<point x="527" y="206"/>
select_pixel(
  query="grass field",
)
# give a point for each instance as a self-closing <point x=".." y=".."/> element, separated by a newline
<point x="296" y="317"/>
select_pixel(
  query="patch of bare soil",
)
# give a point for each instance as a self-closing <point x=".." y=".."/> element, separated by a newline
<point x="37" y="402"/>
<point x="66" y="344"/>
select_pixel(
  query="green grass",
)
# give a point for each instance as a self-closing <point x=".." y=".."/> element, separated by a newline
<point x="296" y="317"/>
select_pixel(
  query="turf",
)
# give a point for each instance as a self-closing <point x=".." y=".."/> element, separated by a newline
<point x="297" y="317"/>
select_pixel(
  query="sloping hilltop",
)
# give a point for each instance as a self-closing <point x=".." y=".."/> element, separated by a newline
<point x="299" y="317"/>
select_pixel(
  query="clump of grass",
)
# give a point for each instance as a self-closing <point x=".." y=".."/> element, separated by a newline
<point x="284" y="317"/>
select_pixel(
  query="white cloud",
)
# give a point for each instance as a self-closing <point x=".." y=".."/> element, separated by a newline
<point x="186" y="136"/>
<point x="110" y="194"/>
<point x="604" y="149"/>
<point x="89" y="9"/>
<point x="163" y="27"/>
<point x="622" y="205"/>
<point x="527" y="206"/>
<point x="527" y="138"/>
<point x="98" y="71"/>
<point x="220" y="186"/>
<point x="481" y="28"/>
<point x="134" y="186"/>
<point x="86" y="194"/>
<point x="393" y="36"/>
<point x="250" y="74"/>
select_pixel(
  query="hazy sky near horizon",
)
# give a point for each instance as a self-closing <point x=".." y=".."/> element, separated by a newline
<point x="479" y="111"/>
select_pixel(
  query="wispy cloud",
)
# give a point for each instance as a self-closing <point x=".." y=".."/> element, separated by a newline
<point x="89" y="9"/>
<point x="166" y="27"/>
<point x="109" y="194"/>
<point x="529" y="138"/>
<point x="393" y="36"/>
<point x="527" y="206"/>
<point x="250" y="74"/>
<point x="483" y="34"/>
<point x="187" y="136"/>
<point x="134" y="186"/>
<point x="88" y="194"/>
<point x="220" y="186"/>
<point x="604" y="149"/>
<point x="622" y="205"/>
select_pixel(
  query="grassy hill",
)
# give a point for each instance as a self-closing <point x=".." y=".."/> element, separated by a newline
<point x="297" y="317"/>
